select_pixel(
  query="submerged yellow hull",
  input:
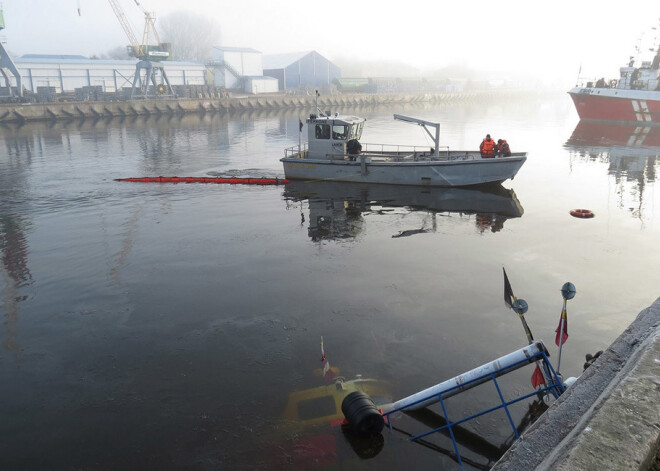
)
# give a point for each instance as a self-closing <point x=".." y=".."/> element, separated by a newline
<point x="322" y="405"/>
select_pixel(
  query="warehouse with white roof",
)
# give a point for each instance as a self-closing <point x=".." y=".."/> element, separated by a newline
<point x="65" y="73"/>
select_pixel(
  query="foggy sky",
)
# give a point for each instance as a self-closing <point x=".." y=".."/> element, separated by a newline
<point x="507" y="36"/>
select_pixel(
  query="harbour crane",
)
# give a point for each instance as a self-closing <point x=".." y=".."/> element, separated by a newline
<point x="153" y="82"/>
<point x="7" y="66"/>
<point x="144" y="50"/>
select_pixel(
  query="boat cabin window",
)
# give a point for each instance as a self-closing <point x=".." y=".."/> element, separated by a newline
<point x="339" y="132"/>
<point x="316" y="407"/>
<point x="356" y="131"/>
<point x="322" y="131"/>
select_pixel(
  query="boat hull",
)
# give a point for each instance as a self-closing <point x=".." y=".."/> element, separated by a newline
<point x="614" y="104"/>
<point x="451" y="173"/>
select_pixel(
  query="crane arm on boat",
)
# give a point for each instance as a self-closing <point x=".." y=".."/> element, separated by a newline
<point x="421" y="122"/>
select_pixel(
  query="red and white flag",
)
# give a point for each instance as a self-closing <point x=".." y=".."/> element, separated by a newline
<point x="537" y="377"/>
<point x="562" y="329"/>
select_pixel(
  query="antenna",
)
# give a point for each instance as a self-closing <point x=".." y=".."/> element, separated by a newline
<point x="316" y="104"/>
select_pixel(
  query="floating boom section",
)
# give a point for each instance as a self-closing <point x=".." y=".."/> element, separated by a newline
<point x="227" y="180"/>
<point x="470" y="379"/>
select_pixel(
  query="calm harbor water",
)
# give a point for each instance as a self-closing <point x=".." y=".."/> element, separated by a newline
<point x="162" y="326"/>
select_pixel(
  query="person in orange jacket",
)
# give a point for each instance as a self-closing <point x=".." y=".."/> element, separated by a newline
<point x="503" y="148"/>
<point x="487" y="147"/>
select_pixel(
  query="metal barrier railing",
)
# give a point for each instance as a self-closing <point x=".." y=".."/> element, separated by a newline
<point x="295" y="151"/>
<point x="386" y="151"/>
<point x="553" y="385"/>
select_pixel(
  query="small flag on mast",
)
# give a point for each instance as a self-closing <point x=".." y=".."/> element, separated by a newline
<point x="508" y="292"/>
<point x="300" y="125"/>
<point x="562" y="328"/>
<point x="322" y="350"/>
<point x="537" y="377"/>
<point x="509" y="299"/>
<point x="326" y="369"/>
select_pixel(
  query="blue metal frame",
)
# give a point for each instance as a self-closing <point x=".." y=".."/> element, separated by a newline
<point x="555" y="386"/>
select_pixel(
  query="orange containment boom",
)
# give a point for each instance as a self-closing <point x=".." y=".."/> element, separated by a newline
<point x="229" y="180"/>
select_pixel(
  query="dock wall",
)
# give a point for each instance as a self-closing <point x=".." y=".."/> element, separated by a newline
<point x="608" y="419"/>
<point x="98" y="109"/>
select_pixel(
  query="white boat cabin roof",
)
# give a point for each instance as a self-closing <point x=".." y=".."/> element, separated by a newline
<point x="335" y="119"/>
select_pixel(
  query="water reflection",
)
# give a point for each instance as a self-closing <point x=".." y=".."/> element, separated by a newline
<point x="15" y="271"/>
<point x="632" y="153"/>
<point x="14" y="225"/>
<point x="149" y="317"/>
<point x="336" y="210"/>
<point x="467" y="439"/>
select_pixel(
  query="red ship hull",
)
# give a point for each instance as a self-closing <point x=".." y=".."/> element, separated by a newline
<point x="612" y="104"/>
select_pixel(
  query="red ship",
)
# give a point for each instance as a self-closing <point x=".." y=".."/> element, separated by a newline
<point x="634" y="97"/>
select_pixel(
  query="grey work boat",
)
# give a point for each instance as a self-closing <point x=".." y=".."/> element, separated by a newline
<point x="333" y="153"/>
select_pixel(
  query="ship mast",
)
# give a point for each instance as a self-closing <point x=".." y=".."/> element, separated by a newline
<point x="655" y="65"/>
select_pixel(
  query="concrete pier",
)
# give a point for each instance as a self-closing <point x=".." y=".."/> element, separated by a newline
<point x="97" y="109"/>
<point x="609" y="419"/>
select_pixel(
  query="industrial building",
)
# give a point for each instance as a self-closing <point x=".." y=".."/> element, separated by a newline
<point x="253" y="72"/>
<point x="65" y="73"/>
<point x="150" y="73"/>
<point x="301" y="69"/>
<point x="232" y="68"/>
<point x="241" y="68"/>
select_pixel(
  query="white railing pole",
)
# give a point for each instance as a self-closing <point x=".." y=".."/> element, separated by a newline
<point x="498" y="367"/>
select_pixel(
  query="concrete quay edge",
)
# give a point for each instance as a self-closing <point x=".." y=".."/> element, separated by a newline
<point x="608" y="419"/>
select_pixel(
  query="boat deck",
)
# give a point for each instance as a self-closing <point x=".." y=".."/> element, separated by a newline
<point x="373" y="153"/>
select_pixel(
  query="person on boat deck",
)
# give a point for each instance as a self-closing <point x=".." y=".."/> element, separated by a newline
<point x="503" y="148"/>
<point x="353" y="147"/>
<point x="487" y="147"/>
